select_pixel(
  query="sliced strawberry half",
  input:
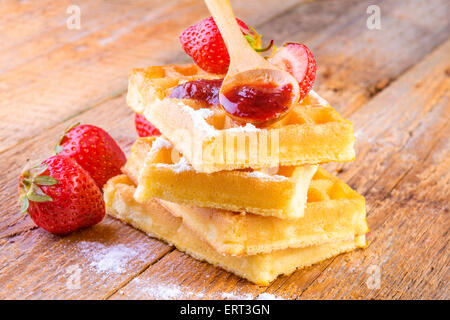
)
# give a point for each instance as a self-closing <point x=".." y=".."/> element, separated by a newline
<point x="143" y="127"/>
<point x="298" y="60"/>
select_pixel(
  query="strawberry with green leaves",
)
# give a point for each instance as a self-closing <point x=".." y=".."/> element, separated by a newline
<point x="204" y="43"/>
<point x="60" y="196"/>
<point x="94" y="150"/>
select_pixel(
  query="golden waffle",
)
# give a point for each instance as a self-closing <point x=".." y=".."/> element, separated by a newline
<point x="282" y="195"/>
<point x="313" y="132"/>
<point x="261" y="269"/>
<point x="333" y="212"/>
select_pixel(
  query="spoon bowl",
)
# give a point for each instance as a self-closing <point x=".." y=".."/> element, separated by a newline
<point x="253" y="90"/>
<point x="259" y="96"/>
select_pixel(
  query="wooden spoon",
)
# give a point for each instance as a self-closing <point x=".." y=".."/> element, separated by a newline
<point x="247" y="68"/>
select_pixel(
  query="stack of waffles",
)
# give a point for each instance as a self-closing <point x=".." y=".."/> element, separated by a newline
<point x="253" y="201"/>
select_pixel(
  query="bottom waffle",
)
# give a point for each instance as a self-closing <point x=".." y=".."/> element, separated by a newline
<point x="152" y="218"/>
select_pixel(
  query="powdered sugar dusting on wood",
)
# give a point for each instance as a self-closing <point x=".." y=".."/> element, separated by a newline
<point x="165" y="291"/>
<point x="108" y="259"/>
<point x="236" y="296"/>
<point x="268" y="296"/>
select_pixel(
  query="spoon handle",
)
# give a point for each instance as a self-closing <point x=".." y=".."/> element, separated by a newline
<point x="242" y="56"/>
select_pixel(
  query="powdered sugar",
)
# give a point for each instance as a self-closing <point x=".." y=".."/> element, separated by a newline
<point x="235" y="296"/>
<point x="268" y="296"/>
<point x="319" y="99"/>
<point x="181" y="166"/>
<point x="262" y="175"/>
<point x="170" y="291"/>
<point x="161" y="143"/>
<point x="108" y="259"/>
<point x="247" y="128"/>
<point x="205" y="113"/>
<point x="165" y="291"/>
<point x="198" y="118"/>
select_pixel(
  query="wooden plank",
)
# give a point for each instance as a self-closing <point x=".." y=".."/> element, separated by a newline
<point x="71" y="78"/>
<point x="355" y="63"/>
<point x="36" y="28"/>
<point x="385" y="124"/>
<point x="38" y="265"/>
<point x="178" y="276"/>
<point x="22" y="19"/>
<point x="408" y="243"/>
<point x="425" y="117"/>
<point x="44" y="29"/>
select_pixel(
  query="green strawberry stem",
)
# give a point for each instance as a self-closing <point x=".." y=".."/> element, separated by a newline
<point x="58" y="147"/>
<point x="266" y="48"/>
<point x="254" y="39"/>
<point x="29" y="187"/>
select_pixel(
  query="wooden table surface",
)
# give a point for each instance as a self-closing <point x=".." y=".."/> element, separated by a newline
<point x="392" y="83"/>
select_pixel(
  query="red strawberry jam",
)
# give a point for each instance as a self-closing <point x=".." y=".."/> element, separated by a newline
<point x="257" y="103"/>
<point x="202" y="90"/>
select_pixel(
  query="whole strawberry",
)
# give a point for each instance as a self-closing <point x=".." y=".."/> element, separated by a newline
<point x="204" y="43"/>
<point x="298" y="60"/>
<point x="94" y="150"/>
<point x="60" y="196"/>
<point x="143" y="127"/>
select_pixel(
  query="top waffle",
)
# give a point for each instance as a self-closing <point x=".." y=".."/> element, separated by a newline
<point x="313" y="132"/>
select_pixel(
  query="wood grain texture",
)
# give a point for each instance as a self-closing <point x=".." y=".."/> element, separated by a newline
<point x="37" y="265"/>
<point x="355" y="63"/>
<point x="408" y="242"/>
<point x="386" y="81"/>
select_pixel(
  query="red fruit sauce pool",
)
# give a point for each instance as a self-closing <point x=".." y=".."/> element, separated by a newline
<point x="203" y="90"/>
<point x="257" y="103"/>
